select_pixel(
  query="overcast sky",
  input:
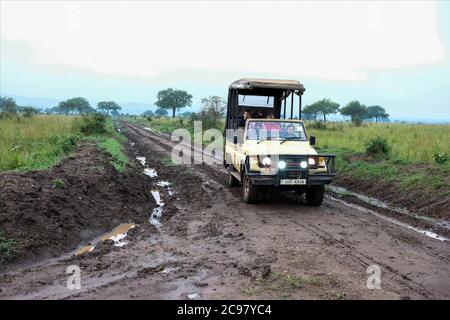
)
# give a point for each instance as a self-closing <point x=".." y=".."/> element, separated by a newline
<point x="390" y="53"/>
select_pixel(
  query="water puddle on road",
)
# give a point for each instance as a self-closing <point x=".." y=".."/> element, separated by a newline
<point x="116" y="235"/>
<point x="157" y="212"/>
<point x="150" y="172"/>
<point x="193" y="296"/>
<point x="392" y="220"/>
<point x="141" y="160"/>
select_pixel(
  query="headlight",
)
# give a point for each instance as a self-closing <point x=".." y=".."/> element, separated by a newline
<point x="266" y="162"/>
<point x="311" y="161"/>
<point x="304" y="164"/>
<point x="281" y="165"/>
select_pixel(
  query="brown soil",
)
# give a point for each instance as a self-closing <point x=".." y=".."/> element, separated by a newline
<point x="415" y="200"/>
<point x="52" y="211"/>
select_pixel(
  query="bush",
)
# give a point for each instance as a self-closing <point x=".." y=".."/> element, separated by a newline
<point x="319" y="125"/>
<point x="440" y="157"/>
<point x="93" y="124"/>
<point x="378" y="147"/>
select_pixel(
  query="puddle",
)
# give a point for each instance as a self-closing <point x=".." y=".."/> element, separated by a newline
<point x="193" y="296"/>
<point x="141" y="160"/>
<point x="150" y="172"/>
<point x="157" y="212"/>
<point x="168" y="270"/>
<point x="163" y="183"/>
<point x="399" y="223"/>
<point x="117" y="235"/>
<point x="84" y="250"/>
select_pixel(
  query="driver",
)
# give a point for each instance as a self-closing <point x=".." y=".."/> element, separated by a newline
<point x="290" y="132"/>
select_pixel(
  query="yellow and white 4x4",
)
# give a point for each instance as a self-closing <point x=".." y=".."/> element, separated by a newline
<point x="269" y="152"/>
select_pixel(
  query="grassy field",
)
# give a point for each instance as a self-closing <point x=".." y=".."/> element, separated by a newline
<point x="410" y="143"/>
<point x="35" y="143"/>
<point x="42" y="141"/>
<point x="410" y="163"/>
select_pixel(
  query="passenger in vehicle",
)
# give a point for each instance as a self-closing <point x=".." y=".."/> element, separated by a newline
<point x="272" y="128"/>
<point x="260" y="115"/>
<point x="290" y="132"/>
<point x="243" y="119"/>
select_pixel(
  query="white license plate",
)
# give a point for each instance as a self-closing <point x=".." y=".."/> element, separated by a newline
<point x="293" y="181"/>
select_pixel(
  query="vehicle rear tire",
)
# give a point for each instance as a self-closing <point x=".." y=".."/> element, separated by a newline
<point x="250" y="192"/>
<point x="314" y="195"/>
<point x="232" y="181"/>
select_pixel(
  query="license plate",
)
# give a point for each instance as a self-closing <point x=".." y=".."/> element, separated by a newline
<point x="293" y="181"/>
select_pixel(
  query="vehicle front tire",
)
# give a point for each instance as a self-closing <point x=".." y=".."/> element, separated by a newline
<point x="250" y="192"/>
<point x="314" y="195"/>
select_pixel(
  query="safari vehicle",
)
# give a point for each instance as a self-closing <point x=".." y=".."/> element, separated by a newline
<point x="266" y="143"/>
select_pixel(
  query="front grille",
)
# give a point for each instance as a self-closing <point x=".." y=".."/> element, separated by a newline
<point x="296" y="175"/>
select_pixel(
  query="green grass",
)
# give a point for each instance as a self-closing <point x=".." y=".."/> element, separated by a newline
<point x="41" y="141"/>
<point x="36" y="143"/>
<point x="8" y="247"/>
<point x="411" y="143"/>
<point x="115" y="149"/>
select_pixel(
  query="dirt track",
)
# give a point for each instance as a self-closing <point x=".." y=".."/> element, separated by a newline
<point x="213" y="245"/>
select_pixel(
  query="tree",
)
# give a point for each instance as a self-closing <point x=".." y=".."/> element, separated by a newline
<point x="75" y="105"/>
<point x="323" y="107"/>
<point x="173" y="99"/>
<point x="29" y="111"/>
<point x="160" y="112"/>
<point x="8" y="105"/>
<point x="310" y="112"/>
<point x="355" y="110"/>
<point x="213" y="107"/>
<point x="107" y="106"/>
<point x="148" y="113"/>
<point x="377" y="113"/>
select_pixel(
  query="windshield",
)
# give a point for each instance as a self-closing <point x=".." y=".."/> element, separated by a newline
<point x="256" y="101"/>
<point x="275" y="130"/>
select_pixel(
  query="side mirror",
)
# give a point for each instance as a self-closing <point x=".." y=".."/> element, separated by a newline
<point x="235" y="140"/>
<point x="312" y="140"/>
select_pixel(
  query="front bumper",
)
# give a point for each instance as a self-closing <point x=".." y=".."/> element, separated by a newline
<point x="311" y="180"/>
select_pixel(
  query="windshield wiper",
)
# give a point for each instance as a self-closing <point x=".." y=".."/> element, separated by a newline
<point x="288" y="138"/>
<point x="263" y="140"/>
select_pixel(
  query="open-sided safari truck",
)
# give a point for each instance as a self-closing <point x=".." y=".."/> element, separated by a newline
<point x="266" y="143"/>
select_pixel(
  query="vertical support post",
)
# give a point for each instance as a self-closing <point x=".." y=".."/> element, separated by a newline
<point x="300" y="105"/>
<point x="284" y="112"/>
<point x="292" y="105"/>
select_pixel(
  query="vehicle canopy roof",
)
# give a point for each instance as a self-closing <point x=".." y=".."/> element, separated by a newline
<point x="251" y="83"/>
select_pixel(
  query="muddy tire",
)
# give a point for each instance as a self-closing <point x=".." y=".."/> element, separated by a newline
<point x="314" y="195"/>
<point x="232" y="181"/>
<point x="250" y="192"/>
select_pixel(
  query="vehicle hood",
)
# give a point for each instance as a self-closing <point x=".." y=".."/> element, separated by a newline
<point x="251" y="147"/>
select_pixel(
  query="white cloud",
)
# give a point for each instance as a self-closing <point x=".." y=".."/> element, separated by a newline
<point x="328" y="40"/>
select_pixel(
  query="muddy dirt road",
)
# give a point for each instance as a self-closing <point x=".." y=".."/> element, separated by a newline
<point x="201" y="241"/>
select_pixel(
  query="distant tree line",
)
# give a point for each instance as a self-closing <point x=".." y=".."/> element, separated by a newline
<point x="354" y="109"/>
<point x="73" y="106"/>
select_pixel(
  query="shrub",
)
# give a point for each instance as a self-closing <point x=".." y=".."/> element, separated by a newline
<point x="440" y="157"/>
<point x="378" y="146"/>
<point x="319" y="125"/>
<point x="93" y="124"/>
